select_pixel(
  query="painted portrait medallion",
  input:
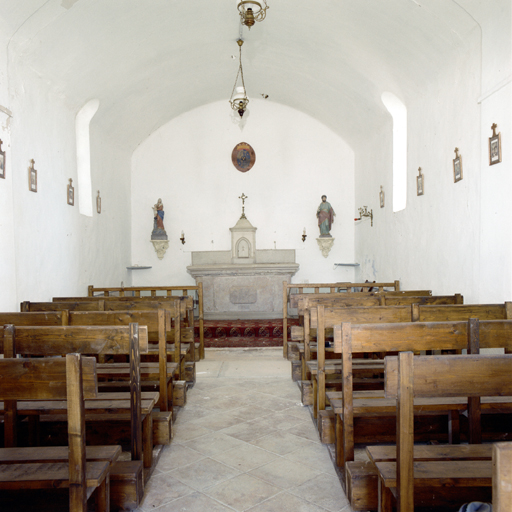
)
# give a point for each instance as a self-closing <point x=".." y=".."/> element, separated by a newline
<point x="243" y="157"/>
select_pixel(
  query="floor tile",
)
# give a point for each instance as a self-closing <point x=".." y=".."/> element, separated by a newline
<point x="195" y="502"/>
<point x="246" y="458"/>
<point x="184" y="432"/>
<point x="324" y="491"/>
<point x="285" y="502"/>
<point x="204" y="473"/>
<point x="162" y="489"/>
<point x="245" y="443"/>
<point x="214" y="443"/>
<point x="284" y="473"/>
<point x="219" y="421"/>
<point x="242" y="492"/>
<point x="249" y="431"/>
<point x="314" y="455"/>
<point x="178" y="455"/>
<point x="280" y="442"/>
<point x="305" y="430"/>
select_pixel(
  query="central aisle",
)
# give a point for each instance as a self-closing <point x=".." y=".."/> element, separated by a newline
<point x="243" y="442"/>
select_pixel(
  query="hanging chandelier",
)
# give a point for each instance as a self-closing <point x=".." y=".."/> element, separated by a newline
<point x="251" y="12"/>
<point x="239" y="98"/>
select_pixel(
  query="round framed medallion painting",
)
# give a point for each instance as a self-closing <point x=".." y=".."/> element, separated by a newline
<point x="243" y="157"/>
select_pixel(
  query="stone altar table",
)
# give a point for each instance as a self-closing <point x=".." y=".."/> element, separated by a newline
<point x="243" y="283"/>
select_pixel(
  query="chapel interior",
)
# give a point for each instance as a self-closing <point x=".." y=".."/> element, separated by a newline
<point x="127" y="160"/>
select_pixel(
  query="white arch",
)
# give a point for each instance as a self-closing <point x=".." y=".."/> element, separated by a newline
<point x="398" y="112"/>
<point x="83" y="155"/>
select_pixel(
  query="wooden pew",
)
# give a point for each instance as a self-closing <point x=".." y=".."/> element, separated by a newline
<point x="125" y="304"/>
<point x="309" y="301"/>
<point x="159" y="291"/>
<point x="393" y="314"/>
<point x="437" y="376"/>
<point x="127" y="476"/>
<point x="159" y="325"/>
<point x="333" y="288"/>
<point x="502" y="477"/>
<point x="348" y="338"/>
<point x="71" y="379"/>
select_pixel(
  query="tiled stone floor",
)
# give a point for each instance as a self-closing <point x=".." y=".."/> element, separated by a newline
<point x="243" y="442"/>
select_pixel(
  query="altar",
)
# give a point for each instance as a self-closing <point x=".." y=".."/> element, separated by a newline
<point x="243" y="283"/>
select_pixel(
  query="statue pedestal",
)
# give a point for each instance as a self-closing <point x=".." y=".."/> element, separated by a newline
<point x="243" y="290"/>
<point x="325" y="244"/>
<point x="160" y="247"/>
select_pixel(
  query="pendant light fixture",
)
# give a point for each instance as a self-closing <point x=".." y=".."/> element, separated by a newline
<point x="239" y="98"/>
<point x="252" y="11"/>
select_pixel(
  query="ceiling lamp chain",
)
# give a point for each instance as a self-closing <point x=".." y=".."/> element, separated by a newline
<point x="251" y="12"/>
<point x="239" y="100"/>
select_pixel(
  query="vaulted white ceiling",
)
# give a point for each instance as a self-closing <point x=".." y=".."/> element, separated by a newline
<point x="148" y="61"/>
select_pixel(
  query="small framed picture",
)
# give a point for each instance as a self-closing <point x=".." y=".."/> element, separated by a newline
<point x="494" y="146"/>
<point x="32" y="177"/>
<point x="381" y="197"/>
<point x="2" y="161"/>
<point x="98" y="202"/>
<point x="457" y="166"/>
<point x="420" y="186"/>
<point x="71" y="193"/>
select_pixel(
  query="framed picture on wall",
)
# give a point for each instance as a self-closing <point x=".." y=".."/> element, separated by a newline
<point x="381" y="197"/>
<point x="71" y="193"/>
<point x="32" y="177"/>
<point x="2" y="161"/>
<point x="457" y="166"/>
<point x="420" y="186"/>
<point x="494" y="146"/>
<point x="98" y="202"/>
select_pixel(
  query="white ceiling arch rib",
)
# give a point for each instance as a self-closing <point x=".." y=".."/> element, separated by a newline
<point x="148" y="62"/>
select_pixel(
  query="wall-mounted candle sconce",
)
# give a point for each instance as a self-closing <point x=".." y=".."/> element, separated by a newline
<point x="363" y="212"/>
<point x="304" y="236"/>
<point x="182" y="238"/>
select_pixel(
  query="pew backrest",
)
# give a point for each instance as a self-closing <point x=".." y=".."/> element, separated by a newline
<point x="417" y="336"/>
<point x="71" y="379"/>
<point x="159" y="329"/>
<point x="439" y="376"/>
<point x="289" y="298"/>
<point x="53" y="341"/>
<point x="48" y="318"/>
<point x="502" y="477"/>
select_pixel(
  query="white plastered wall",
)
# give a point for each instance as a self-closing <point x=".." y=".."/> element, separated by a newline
<point x="49" y="249"/>
<point x="7" y="269"/>
<point x="187" y="163"/>
<point x="435" y="242"/>
<point x="496" y="180"/>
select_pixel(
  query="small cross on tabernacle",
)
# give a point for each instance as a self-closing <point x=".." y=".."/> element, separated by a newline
<point x="243" y="197"/>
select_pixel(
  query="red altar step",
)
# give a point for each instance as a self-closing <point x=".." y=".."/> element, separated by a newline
<point x="243" y="333"/>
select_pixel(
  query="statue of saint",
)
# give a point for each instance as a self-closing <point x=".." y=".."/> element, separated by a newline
<point x="325" y="214"/>
<point x="158" y="224"/>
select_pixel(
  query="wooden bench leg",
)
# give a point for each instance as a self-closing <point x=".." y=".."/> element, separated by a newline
<point x="103" y="495"/>
<point x="338" y="442"/>
<point x="453" y="427"/>
<point x="303" y="367"/>
<point x="385" y="498"/>
<point x="170" y="391"/>
<point x="315" y="396"/>
<point x="147" y="440"/>
<point x="34" y="437"/>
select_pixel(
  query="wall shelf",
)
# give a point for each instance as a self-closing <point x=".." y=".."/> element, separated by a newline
<point x="137" y="267"/>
